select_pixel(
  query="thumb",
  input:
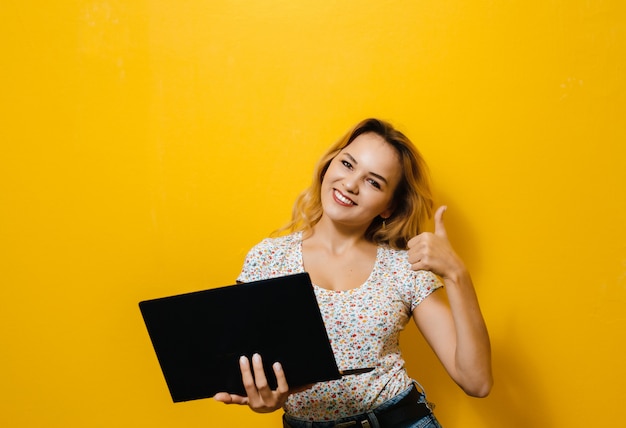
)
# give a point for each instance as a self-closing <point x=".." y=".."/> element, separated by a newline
<point x="440" y="229"/>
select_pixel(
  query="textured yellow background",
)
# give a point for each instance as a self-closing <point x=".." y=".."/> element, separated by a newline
<point x="146" y="145"/>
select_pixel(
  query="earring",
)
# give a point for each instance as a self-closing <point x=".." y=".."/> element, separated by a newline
<point x="384" y="223"/>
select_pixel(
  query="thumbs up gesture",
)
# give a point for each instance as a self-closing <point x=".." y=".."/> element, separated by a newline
<point x="433" y="252"/>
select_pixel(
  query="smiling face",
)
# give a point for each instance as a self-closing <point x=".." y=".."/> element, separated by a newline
<point x="360" y="181"/>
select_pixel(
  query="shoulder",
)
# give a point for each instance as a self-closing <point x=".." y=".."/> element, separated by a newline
<point x="277" y="244"/>
<point x="398" y="262"/>
<point x="395" y="261"/>
<point x="415" y="285"/>
<point x="270" y="258"/>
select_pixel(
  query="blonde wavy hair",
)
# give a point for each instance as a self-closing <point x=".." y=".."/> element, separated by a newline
<point x="412" y="200"/>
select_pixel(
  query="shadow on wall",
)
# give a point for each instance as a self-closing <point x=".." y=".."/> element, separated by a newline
<point x="515" y="400"/>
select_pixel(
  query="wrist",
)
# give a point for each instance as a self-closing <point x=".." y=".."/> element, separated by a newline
<point x="458" y="275"/>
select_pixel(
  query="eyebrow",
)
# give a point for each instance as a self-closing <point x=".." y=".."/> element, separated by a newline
<point x="378" y="176"/>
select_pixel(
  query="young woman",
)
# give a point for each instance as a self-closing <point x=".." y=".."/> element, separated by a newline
<point x="355" y="230"/>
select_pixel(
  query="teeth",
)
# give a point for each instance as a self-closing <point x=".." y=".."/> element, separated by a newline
<point x="343" y="198"/>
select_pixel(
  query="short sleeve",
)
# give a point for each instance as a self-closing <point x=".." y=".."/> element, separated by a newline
<point x="424" y="283"/>
<point x="256" y="262"/>
<point x="414" y="286"/>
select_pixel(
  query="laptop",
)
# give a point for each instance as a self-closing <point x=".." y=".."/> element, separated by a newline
<point x="199" y="337"/>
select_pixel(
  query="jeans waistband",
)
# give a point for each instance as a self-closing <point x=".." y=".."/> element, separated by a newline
<point x="410" y="408"/>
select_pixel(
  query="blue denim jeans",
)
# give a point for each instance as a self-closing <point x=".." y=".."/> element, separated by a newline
<point x="357" y="421"/>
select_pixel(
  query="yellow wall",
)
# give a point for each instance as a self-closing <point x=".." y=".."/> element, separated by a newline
<point x="146" y="145"/>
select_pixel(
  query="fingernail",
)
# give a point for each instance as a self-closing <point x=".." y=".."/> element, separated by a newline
<point x="243" y="359"/>
<point x="277" y="367"/>
<point x="256" y="358"/>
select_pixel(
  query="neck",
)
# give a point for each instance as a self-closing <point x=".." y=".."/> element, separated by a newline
<point x="338" y="238"/>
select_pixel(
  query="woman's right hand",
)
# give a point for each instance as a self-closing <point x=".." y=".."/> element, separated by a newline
<point x="260" y="396"/>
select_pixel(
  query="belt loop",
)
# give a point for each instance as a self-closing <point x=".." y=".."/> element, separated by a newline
<point x="421" y="390"/>
<point x="371" y="421"/>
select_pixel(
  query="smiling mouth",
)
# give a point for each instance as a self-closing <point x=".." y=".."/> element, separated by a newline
<point x="342" y="199"/>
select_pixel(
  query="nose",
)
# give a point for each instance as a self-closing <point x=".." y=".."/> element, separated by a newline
<point x="350" y="186"/>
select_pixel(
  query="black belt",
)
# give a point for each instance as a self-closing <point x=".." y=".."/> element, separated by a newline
<point x="406" y="409"/>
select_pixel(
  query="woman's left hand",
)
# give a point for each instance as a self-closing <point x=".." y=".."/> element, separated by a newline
<point x="433" y="251"/>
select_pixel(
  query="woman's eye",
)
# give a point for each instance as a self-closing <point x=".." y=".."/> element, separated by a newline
<point x="374" y="183"/>
<point x="346" y="164"/>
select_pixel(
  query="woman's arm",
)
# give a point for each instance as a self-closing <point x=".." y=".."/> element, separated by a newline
<point x="454" y="327"/>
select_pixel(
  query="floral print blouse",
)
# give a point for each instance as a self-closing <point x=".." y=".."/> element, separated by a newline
<point x="363" y="325"/>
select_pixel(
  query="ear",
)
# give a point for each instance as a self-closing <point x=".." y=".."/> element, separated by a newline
<point x="387" y="213"/>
